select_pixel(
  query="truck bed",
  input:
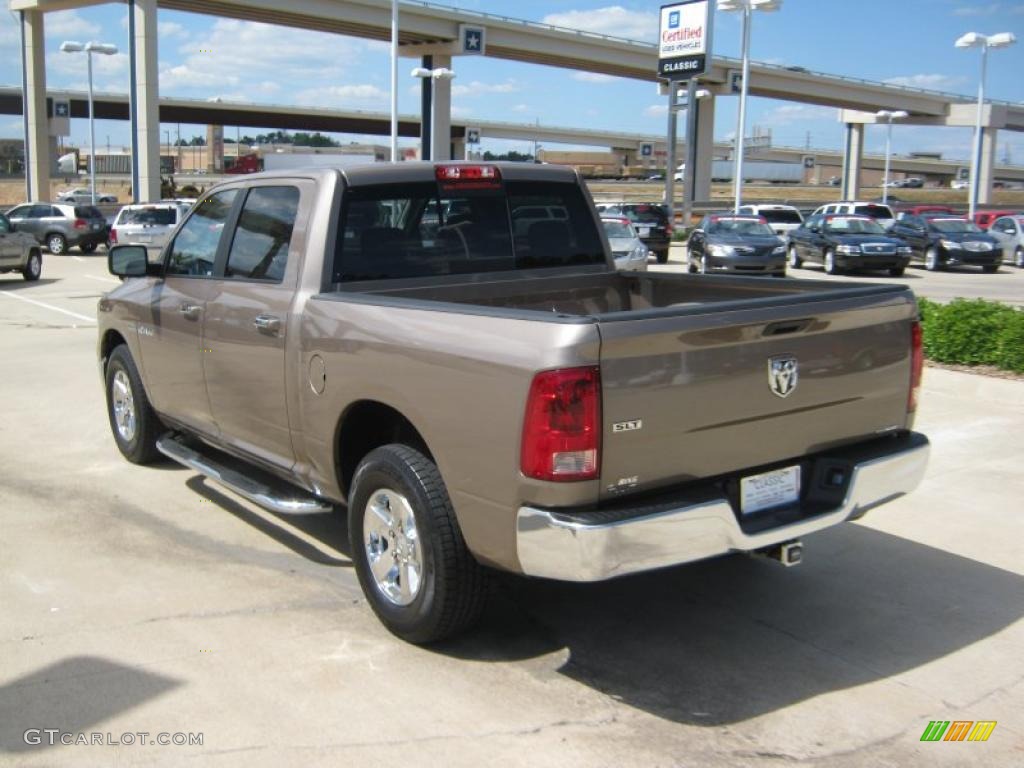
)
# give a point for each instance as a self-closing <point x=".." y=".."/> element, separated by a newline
<point x="689" y="358"/>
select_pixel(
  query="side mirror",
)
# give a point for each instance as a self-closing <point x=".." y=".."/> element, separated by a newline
<point x="814" y="228"/>
<point x="128" y="261"/>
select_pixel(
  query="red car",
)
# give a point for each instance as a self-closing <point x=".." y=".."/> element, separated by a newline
<point x="984" y="219"/>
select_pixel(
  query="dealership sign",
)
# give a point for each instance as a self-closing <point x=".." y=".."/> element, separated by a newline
<point x="684" y="39"/>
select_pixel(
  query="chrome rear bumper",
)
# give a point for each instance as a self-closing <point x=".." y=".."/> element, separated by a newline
<point x="557" y="545"/>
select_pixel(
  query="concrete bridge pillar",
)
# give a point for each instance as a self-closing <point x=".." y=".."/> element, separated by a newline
<point x="144" y="100"/>
<point x="36" y="125"/>
<point x="705" y="144"/>
<point x="853" y="154"/>
<point x="986" y="169"/>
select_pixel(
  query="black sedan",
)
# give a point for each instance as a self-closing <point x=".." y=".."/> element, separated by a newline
<point x="735" y="244"/>
<point x="943" y="241"/>
<point x="842" y="243"/>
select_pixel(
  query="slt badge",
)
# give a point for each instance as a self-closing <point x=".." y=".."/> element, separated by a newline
<point x="782" y="375"/>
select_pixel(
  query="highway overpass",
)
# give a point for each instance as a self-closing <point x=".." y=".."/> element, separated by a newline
<point x="431" y="31"/>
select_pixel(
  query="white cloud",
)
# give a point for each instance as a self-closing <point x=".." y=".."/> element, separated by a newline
<point x="169" y="29"/>
<point x="68" y="25"/>
<point x="790" y="114"/>
<point x="522" y="108"/>
<point x="593" y="77"/>
<point x="613" y="20"/>
<point x="935" y="82"/>
<point x="231" y="52"/>
<point x="656" y="110"/>
<point x="478" y="88"/>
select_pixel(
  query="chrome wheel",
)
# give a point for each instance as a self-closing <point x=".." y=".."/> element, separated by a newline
<point x="931" y="260"/>
<point x="124" y="406"/>
<point x="393" y="548"/>
<point x="830" y="262"/>
<point x="794" y="260"/>
<point x="1018" y="259"/>
<point x="56" y="244"/>
<point x="704" y="264"/>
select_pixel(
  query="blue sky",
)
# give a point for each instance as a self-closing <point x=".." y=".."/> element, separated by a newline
<point x="904" y="41"/>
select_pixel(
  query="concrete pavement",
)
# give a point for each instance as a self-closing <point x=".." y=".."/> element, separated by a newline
<point x="145" y="600"/>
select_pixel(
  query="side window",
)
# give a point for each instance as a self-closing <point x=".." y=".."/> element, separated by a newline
<point x="5" y="225"/>
<point x="21" y="212"/>
<point x="259" y="249"/>
<point x="195" y="248"/>
<point x="40" y="212"/>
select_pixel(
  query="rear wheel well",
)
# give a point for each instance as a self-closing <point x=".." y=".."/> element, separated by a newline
<point x="111" y="340"/>
<point x="366" y="425"/>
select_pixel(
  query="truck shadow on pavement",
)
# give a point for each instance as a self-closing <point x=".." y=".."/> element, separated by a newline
<point x="726" y="640"/>
<point x="72" y="695"/>
<point x="325" y="528"/>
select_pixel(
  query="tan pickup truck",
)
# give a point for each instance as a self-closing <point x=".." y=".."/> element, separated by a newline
<point x="478" y="394"/>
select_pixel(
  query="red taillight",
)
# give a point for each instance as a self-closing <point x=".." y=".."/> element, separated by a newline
<point x="113" y="235"/>
<point x="562" y="426"/>
<point x="916" y="364"/>
<point x="81" y="224"/>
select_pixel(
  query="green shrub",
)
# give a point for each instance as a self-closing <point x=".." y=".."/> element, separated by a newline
<point x="1010" y="346"/>
<point x="973" y="332"/>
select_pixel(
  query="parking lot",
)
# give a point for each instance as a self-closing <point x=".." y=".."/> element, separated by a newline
<point x="147" y="600"/>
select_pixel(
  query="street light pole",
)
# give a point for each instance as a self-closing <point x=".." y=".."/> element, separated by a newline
<point x="90" y="48"/>
<point x="746" y="7"/>
<point x="977" y="40"/>
<point x="889" y="116"/>
<point x="394" y="81"/>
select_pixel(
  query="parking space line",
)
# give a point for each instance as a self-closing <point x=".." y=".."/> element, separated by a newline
<point x="103" y="279"/>
<point x="49" y="306"/>
<point x="78" y="258"/>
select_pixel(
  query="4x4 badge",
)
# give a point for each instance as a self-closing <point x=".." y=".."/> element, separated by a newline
<point x="782" y="375"/>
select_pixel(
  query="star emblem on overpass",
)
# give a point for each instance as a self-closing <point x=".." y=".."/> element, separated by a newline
<point x="473" y="41"/>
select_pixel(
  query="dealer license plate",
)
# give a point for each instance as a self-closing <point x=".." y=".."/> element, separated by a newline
<point x="771" y="489"/>
<point x="643" y="231"/>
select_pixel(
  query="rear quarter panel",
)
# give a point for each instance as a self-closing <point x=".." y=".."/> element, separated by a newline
<point x="462" y="379"/>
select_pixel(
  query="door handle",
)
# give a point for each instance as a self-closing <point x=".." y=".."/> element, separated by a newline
<point x="267" y="324"/>
<point x="190" y="311"/>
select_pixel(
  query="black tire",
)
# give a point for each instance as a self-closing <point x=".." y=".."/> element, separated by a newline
<point x="662" y="257"/>
<point x="452" y="586"/>
<point x="897" y="271"/>
<point x="57" y="243"/>
<point x="990" y="269"/>
<point x="140" y="446"/>
<point x="795" y="262"/>
<point x="831" y="268"/>
<point x="87" y="248"/>
<point x="33" y="267"/>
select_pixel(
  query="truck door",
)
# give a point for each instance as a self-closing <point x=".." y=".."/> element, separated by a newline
<point x="171" y="333"/>
<point x="248" y="322"/>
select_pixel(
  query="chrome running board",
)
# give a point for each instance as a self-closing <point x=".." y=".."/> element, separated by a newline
<point x="283" y="499"/>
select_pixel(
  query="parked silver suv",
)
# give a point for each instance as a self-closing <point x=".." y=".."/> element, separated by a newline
<point x="148" y="224"/>
<point x="59" y="226"/>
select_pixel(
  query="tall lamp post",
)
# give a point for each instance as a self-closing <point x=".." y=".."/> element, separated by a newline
<point x="746" y="7"/>
<point x="888" y="116"/>
<point x="977" y="40"/>
<point x="440" y="73"/>
<point x="107" y="49"/>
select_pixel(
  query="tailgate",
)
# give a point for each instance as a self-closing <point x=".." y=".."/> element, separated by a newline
<point x="691" y="396"/>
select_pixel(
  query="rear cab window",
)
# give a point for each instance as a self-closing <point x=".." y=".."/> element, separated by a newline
<point x="150" y="215"/>
<point x="259" y="247"/>
<point x="780" y="216"/>
<point x="88" y="212"/>
<point x="393" y="231"/>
